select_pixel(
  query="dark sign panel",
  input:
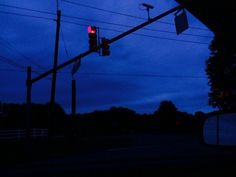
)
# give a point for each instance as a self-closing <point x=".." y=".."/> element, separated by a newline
<point x="76" y="66"/>
<point x="181" y="22"/>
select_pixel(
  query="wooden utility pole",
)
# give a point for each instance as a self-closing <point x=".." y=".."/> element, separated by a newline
<point x="218" y="129"/>
<point x="73" y="107"/>
<point x="54" y="73"/>
<point x="28" y="103"/>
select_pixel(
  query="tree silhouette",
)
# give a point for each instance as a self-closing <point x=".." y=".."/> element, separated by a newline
<point x="221" y="71"/>
<point x="167" y="113"/>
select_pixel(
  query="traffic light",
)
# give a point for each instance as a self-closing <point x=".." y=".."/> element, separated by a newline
<point x="105" y="47"/>
<point x="92" y="33"/>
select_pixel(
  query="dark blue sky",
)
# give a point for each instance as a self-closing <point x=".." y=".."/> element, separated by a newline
<point x="139" y="74"/>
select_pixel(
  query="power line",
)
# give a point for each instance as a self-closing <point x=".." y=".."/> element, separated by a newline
<point x="15" y="70"/>
<point x="64" y="42"/>
<point x="12" y="47"/>
<point x="158" y="37"/>
<point x="100" y="28"/>
<point x="140" y="34"/>
<point x="27" y="9"/>
<point x="11" y="62"/>
<point x="114" y="30"/>
<point x="98" y="21"/>
<point x="123" y="14"/>
<point x="165" y="38"/>
<point x="25" y="15"/>
<point x="124" y="75"/>
<point x="130" y="26"/>
<point x="15" y="64"/>
<point x="145" y="75"/>
<point x="139" y="75"/>
<point x="104" y="10"/>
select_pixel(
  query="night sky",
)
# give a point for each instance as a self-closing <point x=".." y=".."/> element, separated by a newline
<point x="140" y="73"/>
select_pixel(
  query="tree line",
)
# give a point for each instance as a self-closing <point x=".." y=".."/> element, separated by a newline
<point x="114" y="121"/>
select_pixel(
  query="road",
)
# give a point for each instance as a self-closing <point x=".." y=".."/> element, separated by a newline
<point x="149" y="155"/>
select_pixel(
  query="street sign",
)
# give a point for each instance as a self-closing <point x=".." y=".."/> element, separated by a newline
<point x="76" y="66"/>
<point x="181" y="22"/>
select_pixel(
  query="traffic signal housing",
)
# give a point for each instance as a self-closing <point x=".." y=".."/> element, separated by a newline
<point x="105" y="47"/>
<point x="92" y="33"/>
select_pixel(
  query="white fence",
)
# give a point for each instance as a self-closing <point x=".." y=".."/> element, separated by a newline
<point x="20" y="134"/>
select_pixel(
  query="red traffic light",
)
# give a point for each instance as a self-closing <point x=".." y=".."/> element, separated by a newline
<point x="92" y="34"/>
<point x="92" y="30"/>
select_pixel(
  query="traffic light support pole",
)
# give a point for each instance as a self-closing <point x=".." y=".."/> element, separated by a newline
<point x="109" y="42"/>
<point x="73" y="98"/>
<point x="28" y="103"/>
<point x="144" y="24"/>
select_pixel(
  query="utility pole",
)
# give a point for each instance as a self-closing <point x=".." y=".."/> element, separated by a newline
<point x="73" y="99"/>
<point x="218" y="129"/>
<point x="28" y="103"/>
<point x="54" y="73"/>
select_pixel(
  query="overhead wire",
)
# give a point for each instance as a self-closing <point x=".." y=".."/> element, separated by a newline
<point x="131" y="26"/>
<point x="99" y="21"/>
<point x="140" y="34"/>
<point x="123" y="14"/>
<point x="28" y="9"/>
<point x="137" y="75"/>
<point x="104" y="28"/>
<point x="26" y="15"/>
<point x="64" y="42"/>
<point x="103" y="74"/>
<point x="11" y="62"/>
<point x="7" y="70"/>
<point x="10" y="46"/>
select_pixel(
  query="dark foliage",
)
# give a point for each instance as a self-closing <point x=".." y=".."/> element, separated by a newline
<point x="167" y="113"/>
<point x="14" y="116"/>
<point x="115" y="121"/>
<point x="221" y="71"/>
<point x="123" y="121"/>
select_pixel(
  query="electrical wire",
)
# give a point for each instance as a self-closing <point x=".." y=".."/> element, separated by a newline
<point x="15" y="64"/>
<point x="25" y="15"/>
<point x="10" y="46"/>
<point x="123" y="14"/>
<point x="11" y="62"/>
<point x="123" y="75"/>
<point x="130" y="26"/>
<point x="98" y="21"/>
<point x="138" y="75"/>
<point x="27" y="9"/>
<point x="64" y="42"/>
<point x="7" y="70"/>
<point x="165" y="38"/>
<point x="140" y="34"/>
<point x="103" y="28"/>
